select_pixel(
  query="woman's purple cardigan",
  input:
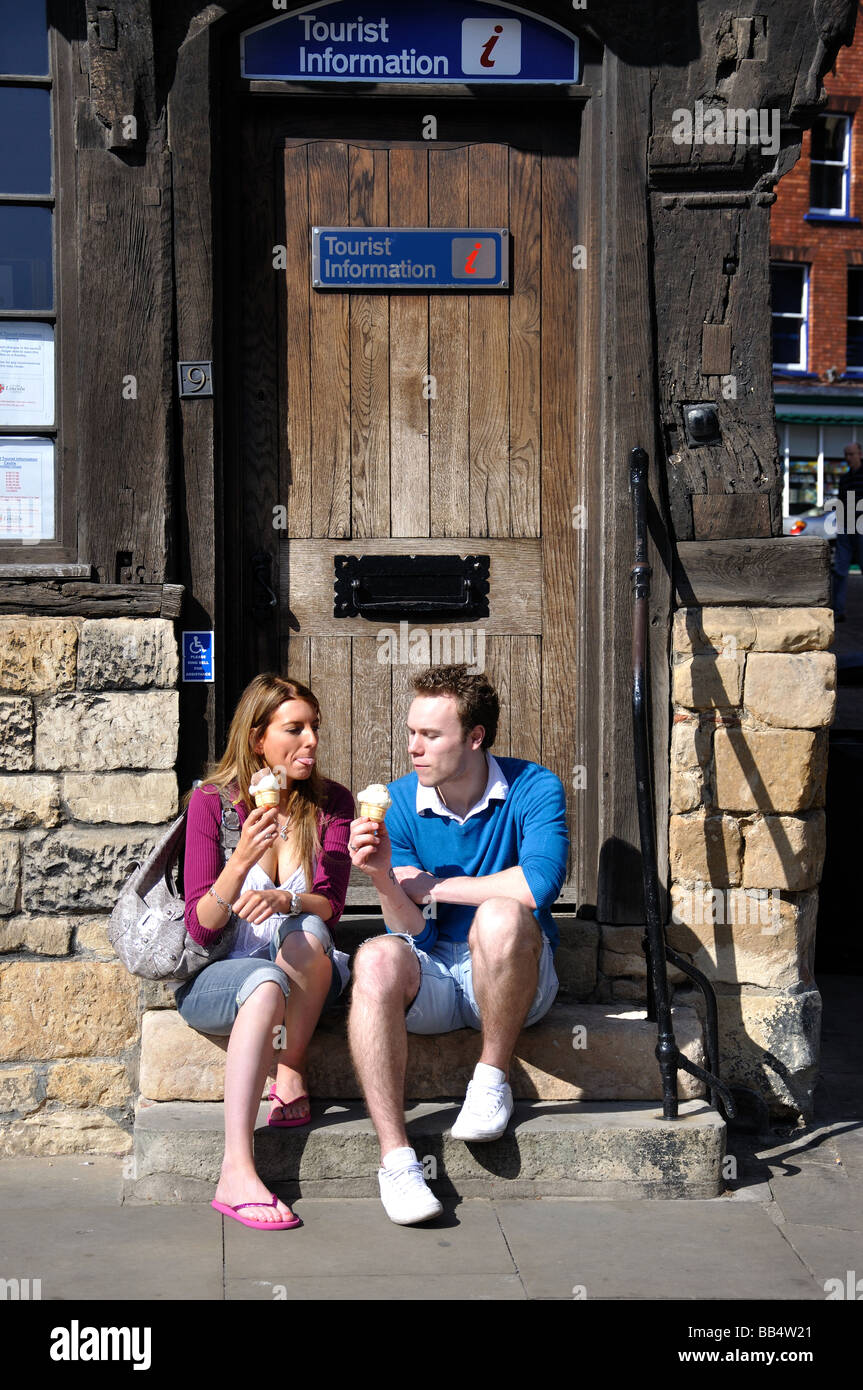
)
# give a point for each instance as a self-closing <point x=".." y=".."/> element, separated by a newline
<point x="203" y="860"/>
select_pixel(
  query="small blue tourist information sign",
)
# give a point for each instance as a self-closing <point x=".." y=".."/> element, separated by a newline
<point x="410" y="258"/>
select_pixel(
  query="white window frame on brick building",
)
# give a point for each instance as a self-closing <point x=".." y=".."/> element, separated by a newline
<point x="856" y="320"/>
<point x="842" y="209"/>
<point x="801" y="316"/>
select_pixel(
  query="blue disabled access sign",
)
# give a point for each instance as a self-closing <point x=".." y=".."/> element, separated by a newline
<point x="410" y="258"/>
<point x="198" y="656"/>
<point x="446" y="41"/>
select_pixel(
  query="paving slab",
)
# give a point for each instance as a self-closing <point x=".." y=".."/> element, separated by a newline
<point x="116" y="1252"/>
<point x="356" y="1238"/>
<point x="647" y="1250"/>
<point x="67" y="1180"/>
<point x="827" y="1197"/>
<point x="419" y="1288"/>
<point x="828" y="1253"/>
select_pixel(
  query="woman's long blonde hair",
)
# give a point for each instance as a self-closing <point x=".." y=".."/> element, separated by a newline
<point x="255" y="708"/>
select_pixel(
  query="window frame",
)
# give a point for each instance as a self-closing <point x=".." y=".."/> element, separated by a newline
<point x="852" y="318"/>
<point x="844" y="165"/>
<point x="803" y="365"/>
<point x="63" y="548"/>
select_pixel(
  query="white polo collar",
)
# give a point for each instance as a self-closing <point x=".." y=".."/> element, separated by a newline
<point x="496" y="788"/>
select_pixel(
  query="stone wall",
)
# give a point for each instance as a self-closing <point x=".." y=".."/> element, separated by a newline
<point x="88" y="746"/>
<point x="753" y="693"/>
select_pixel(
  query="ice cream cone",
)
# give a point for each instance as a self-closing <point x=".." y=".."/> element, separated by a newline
<point x="267" y="798"/>
<point x="371" y="811"/>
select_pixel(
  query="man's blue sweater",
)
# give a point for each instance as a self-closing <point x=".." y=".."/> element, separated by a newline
<point x="527" y="828"/>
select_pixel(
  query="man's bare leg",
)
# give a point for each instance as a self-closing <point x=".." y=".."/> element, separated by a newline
<point x="505" y="945"/>
<point x="386" y="977"/>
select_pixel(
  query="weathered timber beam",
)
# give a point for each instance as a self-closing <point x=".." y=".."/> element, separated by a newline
<point x="92" y="600"/>
<point x="778" y="572"/>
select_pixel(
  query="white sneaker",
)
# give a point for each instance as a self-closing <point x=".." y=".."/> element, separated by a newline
<point x="486" y="1112"/>
<point x="406" y="1196"/>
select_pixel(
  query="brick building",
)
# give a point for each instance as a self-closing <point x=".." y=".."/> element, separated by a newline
<point x="816" y="249"/>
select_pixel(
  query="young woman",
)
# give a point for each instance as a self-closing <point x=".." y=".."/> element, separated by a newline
<point x="285" y="883"/>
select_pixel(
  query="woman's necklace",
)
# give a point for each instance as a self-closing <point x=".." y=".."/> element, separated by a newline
<point x="283" y="829"/>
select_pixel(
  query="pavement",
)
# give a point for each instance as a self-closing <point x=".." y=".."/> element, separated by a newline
<point x="791" y="1220"/>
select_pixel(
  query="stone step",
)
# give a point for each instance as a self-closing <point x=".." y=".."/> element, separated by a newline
<point x="607" y="1150"/>
<point x="578" y="1052"/>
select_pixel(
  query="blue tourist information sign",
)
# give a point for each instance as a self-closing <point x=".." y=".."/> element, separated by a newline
<point x="410" y="258"/>
<point x="447" y="41"/>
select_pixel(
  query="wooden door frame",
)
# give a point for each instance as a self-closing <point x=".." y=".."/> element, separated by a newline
<point x="616" y="410"/>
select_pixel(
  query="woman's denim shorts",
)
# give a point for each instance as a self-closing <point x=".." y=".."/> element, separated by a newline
<point x="210" y="1001"/>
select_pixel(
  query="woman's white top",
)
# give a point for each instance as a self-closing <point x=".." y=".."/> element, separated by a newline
<point x="255" y="940"/>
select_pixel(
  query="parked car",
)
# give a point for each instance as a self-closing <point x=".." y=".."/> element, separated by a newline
<point x="820" y="524"/>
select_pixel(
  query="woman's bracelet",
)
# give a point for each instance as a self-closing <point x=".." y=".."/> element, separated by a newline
<point x="221" y="901"/>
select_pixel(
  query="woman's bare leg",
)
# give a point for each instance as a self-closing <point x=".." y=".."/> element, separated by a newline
<point x="248" y="1062"/>
<point x="305" y="962"/>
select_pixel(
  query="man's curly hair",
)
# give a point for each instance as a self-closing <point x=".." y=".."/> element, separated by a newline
<point x="476" y="698"/>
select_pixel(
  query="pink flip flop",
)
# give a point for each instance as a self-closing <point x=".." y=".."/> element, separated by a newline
<point x="257" y="1225"/>
<point x="288" y="1124"/>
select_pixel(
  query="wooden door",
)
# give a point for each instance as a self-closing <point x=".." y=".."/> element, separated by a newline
<point x="439" y="423"/>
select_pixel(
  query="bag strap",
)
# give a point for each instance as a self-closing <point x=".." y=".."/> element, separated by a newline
<point x="230" y="828"/>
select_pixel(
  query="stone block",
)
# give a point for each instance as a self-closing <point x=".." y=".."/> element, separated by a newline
<point x="621" y="954"/>
<point x="578" y="1051"/>
<point x="101" y="732"/>
<point x="16" y="734"/>
<point x="10" y="871"/>
<point x="66" y="1009"/>
<point x="576" y="956"/>
<point x="720" y="630"/>
<point x="770" y="1042"/>
<point x="784" y="851"/>
<point x="19" y="1089"/>
<point x="705" y="849"/>
<point x="746" y="936"/>
<point x="771" y="770"/>
<point x="690" y="757"/>
<point x="88" y="1083"/>
<point x="47" y="936"/>
<point x="77" y="870"/>
<point x="65" y="1132"/>
<point x="791" y="691"/>
<point x="29" y="800"/>
<point x="121" y="797"/>
<point x="127" y="654"/>
<point x="92" y="935"/>
<point x="37" y="655"/>
<point x="792" y="629"/>
<point x="707" y="682"/>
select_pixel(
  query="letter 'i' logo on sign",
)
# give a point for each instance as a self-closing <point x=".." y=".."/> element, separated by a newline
<point x="491" y="50"/>
<point x="486" y="58"/>
<point x="470" y="268"/>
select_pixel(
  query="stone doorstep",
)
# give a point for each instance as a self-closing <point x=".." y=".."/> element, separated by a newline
<point x="612" y="1059"/>
<point x="605" y="1150"/>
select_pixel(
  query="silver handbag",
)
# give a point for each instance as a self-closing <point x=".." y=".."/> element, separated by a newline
<point x="147" y="928"/>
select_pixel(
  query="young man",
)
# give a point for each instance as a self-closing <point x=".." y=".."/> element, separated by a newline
<point x="482" y="843"/>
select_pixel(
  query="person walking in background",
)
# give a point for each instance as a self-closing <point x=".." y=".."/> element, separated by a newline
<point x="849" y="545"/>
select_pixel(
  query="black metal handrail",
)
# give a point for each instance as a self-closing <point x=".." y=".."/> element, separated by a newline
<point x="656" y="949"/>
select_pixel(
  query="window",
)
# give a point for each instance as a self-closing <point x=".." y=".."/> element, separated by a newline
<point x="854" y="342"/>
<point x="829" y="165"/>
<point x="30" y="409"/>
<point x="789" y="288"/>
